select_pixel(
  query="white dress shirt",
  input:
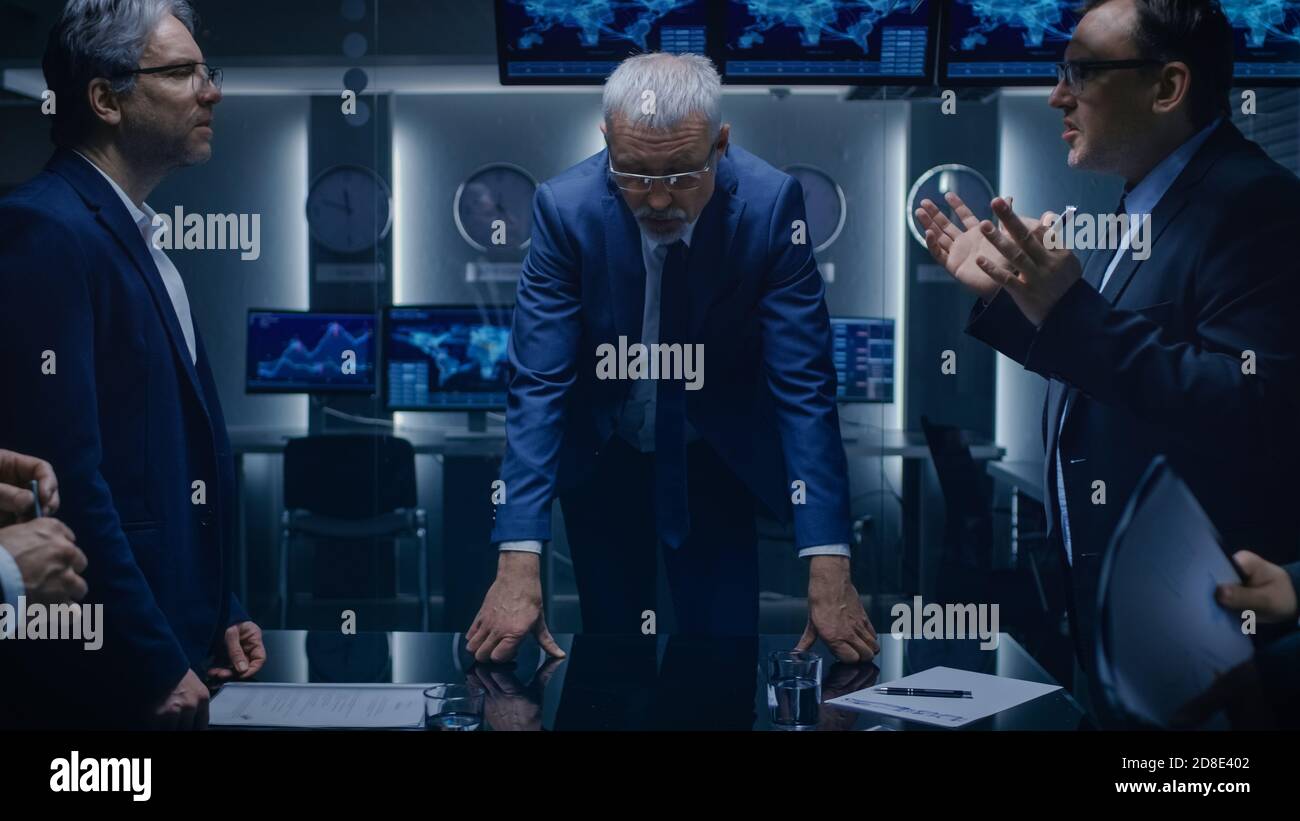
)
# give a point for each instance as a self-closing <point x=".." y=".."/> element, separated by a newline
<point x="636" y="422"/>
<point x="170" y="276"/>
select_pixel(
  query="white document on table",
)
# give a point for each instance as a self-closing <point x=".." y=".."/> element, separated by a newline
<point x="319" y="706"/>
<point x="990" y="695"/>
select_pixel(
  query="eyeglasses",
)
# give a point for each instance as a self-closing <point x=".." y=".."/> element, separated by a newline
<point x="641" y="183"/>
<point x="1074" y="73"/>
<point x="200" y="74"/>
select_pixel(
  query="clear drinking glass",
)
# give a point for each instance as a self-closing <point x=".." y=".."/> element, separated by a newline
<point x="794" y="688"/>
<point x="452" y="707"/>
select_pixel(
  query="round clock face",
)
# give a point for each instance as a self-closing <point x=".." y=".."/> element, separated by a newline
<point x="823" y="201"/>
<point x="494" y="207"/>
<point x="941" y="180"/>
<point x="349" y="209"/>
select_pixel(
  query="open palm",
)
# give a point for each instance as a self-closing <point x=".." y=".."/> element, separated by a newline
<point x="957" y="248"/>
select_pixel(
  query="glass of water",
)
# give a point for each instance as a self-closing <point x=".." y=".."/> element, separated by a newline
<point x="452" y="707"/>
<point x="794" y="688"/>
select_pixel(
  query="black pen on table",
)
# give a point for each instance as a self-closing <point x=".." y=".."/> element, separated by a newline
<point x="921" y="691"/>
<point x="36" y="497"/>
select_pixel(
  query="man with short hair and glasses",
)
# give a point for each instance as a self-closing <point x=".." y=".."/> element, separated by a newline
<point x="106" y="378"/>
<point x="1191" y="353"/>
<point x="671" y="236"/>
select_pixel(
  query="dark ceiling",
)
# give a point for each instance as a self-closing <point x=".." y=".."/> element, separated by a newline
<point x="294" y="31"/>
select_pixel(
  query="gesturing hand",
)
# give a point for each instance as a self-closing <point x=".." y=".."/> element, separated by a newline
<point x="957" y="248"/>
<point x="1035" y="276"/>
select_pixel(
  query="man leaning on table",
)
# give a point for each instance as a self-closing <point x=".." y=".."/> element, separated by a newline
<point x="672" y="235"/>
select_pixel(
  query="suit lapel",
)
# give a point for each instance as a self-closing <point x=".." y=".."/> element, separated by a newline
<point x="1172" y="204"/>
<point x="1166" y="211"/>
<point x="626" y="267"/>
<point x="112" y="214"/>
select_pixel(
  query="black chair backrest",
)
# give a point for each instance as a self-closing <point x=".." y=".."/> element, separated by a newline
<point x="967" y="494"/>
<point x="349" y="476"/>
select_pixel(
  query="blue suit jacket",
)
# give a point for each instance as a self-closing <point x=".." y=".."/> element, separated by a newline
<point x="767" y="405"/>
<point x="129" y="424"/>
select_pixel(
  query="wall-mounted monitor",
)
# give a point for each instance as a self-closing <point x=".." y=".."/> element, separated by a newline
<point x="1268" y="40"/>
<point x="446" y="357"/>
<point x="862" y="350"/>
<point x="310" y="352"/>
<point x="841" y="42"/>
<point x="581" y="43"/>
<point x="1005" y="42"/>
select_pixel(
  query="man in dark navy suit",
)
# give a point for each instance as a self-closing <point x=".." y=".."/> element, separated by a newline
<point x="675" y="240"/>
<point x="1188" y="347"/>
<point x="105" y="376"/>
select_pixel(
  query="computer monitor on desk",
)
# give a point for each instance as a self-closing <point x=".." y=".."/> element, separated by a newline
<point x="447" y="358"/>
<point x="862" y="349"/>
<point x="310" y="352"/>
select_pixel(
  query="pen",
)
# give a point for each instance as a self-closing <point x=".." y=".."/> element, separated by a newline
<point x="921" y="691"/>
<point x="36" y="498"/>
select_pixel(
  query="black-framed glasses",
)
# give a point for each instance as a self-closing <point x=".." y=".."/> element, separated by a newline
<point x="1074" y="73"/>
<point x="200" y="74"/>
<point x="642" y="183"/>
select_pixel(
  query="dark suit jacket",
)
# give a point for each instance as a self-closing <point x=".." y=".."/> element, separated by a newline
<point x="767" y="405"/>
<point x="1153" y="365"/>
<point x="129" y="424"/>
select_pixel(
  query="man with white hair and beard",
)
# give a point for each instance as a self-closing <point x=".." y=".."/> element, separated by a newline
<point x="670" y="237"/>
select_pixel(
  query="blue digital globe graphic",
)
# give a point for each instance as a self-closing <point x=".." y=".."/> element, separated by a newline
<point x="851" y="21"/>
<point x="463" y="355"/>
<point x="1036" y="20"/>
<point x="595" y="21"/>
<point x="1263" y="19"/>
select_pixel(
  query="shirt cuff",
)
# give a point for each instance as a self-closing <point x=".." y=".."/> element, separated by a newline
<point x="11" y="580"/>
<point x="528" y="546"/>
<point x="825" y="550"/>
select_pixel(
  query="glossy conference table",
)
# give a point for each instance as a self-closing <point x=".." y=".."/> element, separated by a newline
<point x="650" y="682"/>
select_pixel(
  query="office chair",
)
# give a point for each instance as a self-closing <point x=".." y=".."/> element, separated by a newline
<point x="969" y="574"/>
<point x="351" y="487"/>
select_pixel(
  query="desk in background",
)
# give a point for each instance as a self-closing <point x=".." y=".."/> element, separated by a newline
<point x="637" y="682"/>
<point x="1023" y="479"/>
<point x="472" y="456"/>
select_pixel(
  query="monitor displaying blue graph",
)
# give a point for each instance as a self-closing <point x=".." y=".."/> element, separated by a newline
<point x="583" y="41"/>
<point x="862" y="351"/>
<point x="306" y="352"/>
<point x="1005" y="42"/>
<point x="1267" y="40"/>
<point x="447" y="357"/>
<point x="847" y="42"/>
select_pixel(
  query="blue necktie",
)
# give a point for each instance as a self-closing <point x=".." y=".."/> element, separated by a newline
<point x="672" y="518"/>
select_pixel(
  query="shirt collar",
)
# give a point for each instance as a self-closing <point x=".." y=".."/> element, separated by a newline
<point x="1146" y="195"/>
<point x="655" y="244"/>
<point x="141" y="217"/>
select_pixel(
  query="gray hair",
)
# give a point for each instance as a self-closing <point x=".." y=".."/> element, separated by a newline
<point x="99" y="38"/>
<point x="684" y="86"/>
